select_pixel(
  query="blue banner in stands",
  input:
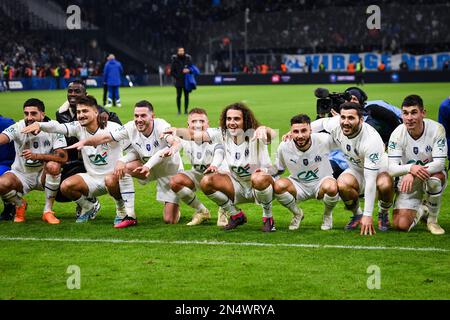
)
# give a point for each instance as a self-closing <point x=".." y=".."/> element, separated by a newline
<point x="370" y="60"/>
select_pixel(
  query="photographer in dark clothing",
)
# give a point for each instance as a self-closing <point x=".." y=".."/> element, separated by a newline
<point x="179" y="68"/>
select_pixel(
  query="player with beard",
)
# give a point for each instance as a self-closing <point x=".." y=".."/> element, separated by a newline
<point x="99" y="161"/>
<point x="37" y="165"/>
<point x="417" y="153"/>
<point x="68" y="113"/>
<point x="311" y="175"/>
<point x="250" y="168"/>
<point x="150" y="158"/>
<point x="363" y="149"/>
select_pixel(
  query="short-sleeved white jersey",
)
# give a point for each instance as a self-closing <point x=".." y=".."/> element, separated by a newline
<point x="308" y="167"/>
<point x="201" y="155"/>
<point x="146" y="147"/>
<point x="42" y="143"/>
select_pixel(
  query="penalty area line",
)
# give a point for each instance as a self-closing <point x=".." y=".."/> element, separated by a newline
<point x="223" y="243"/>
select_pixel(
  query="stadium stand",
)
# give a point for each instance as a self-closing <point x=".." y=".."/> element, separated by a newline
<point x="147" y="32"/>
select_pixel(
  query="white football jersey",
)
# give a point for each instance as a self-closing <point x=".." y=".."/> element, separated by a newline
<point x="308" y="167"/>
<point x="42" y="143"/>
<point x="201" y="155"/>
<point x="146" y="147"/>
<point x="431" y="145"/>
<point x="365" y="151"/>
<point x="100" y="160"/>
<point x="245" y="158"/>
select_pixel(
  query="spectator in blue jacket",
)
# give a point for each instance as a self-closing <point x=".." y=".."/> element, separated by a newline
<point x="112" y="74"/>
<point x="444" y="119"/>
<point x="7" y="156"/>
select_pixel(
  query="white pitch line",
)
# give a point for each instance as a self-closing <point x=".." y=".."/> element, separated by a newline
<point x="248" y="244"/>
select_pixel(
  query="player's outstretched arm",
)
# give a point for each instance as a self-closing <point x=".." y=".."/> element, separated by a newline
<point x="92" y="141"/>
<point x="33" y="128"/>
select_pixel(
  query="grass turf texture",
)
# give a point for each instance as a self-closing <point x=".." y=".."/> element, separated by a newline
<point x="170" y="269"/>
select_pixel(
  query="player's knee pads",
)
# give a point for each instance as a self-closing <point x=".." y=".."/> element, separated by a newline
<point x="434" y="186"/>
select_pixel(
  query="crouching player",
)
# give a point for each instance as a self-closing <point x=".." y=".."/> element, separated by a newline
<point x="250" y="168"/>
<point x="203" y="146"/>
<point x="98" y="161"/>
<point x="149" y="158"/>
<point x="305" y="156"/>
<point x="37" y="165"/>
<point x="417" y="153"/>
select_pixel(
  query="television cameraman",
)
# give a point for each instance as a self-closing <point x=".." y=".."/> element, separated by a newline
<point x="381" y="115"/>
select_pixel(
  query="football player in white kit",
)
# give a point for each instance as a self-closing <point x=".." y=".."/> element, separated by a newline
<point x="305" y="156"/>
<point x="203" y="146"/>
<point x="99" y="161"/>
<point x="149" y="158"/>
<point x="417" y="153"/>
<point x="363" y="149"/>
<point x="250" y="168"/>
<point x="37" y="165"/>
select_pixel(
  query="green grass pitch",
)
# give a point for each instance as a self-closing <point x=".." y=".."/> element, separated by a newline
<point x="158" y="261"/>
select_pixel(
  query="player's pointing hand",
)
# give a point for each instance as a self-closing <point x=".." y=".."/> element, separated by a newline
<point x="33" y="128"/>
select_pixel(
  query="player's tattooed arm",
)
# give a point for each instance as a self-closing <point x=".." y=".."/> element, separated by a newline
<point x="59" y="155"/>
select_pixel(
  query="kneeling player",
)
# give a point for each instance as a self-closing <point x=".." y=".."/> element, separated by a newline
<point x="417" y="153"/>
<point x="206" y="154"/>
<point x="37" y="164"/>
<point x="311" y="175"/>
<point x="363" y="149"/>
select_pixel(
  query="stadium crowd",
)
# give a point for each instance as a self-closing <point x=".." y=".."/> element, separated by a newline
<point x="302" y="26"/>
<point x="26" y="53"/>
<point x="276" y="27"/>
